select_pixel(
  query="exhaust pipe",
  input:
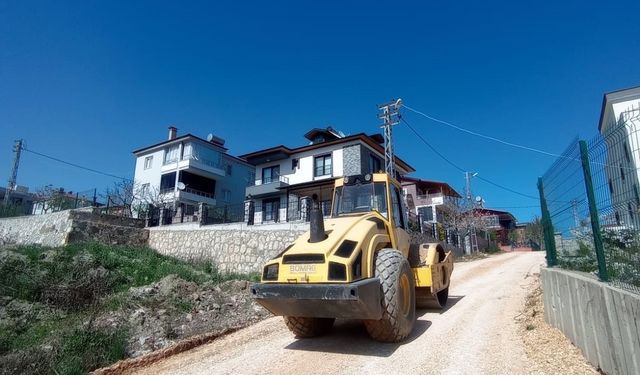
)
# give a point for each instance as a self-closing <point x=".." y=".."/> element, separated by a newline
<point x="316" y="222"/>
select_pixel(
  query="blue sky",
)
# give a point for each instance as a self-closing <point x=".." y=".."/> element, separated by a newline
<point x="89" y="83"/>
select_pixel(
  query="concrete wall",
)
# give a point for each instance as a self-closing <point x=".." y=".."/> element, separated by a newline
<point x="71" y="226"/>
<point x="232" y="247"/>
<point x="603" y="321"/>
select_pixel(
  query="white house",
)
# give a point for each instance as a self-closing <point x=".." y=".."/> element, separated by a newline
<point x="286" y="176"/>
<point x="620" y="126"/>
<point x="186" y="170"/>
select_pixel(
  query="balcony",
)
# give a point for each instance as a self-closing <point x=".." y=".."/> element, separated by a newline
<point x="187" y="162"/>
<point x="268" y="186"/>
<point x="429" y="199"/>
<point x="169" y="195"/>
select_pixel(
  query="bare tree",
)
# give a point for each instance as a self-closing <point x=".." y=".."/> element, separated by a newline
<point x="533" y="232"/>
<point x="130" y="198"/>
<point x="463" y="221"/>
<point x="50" y="199"/>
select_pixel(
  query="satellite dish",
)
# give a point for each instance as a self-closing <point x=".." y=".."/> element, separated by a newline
<point x="181" y="186"/>
<point x="209" y="137"/>
<point x="478" y="199"/>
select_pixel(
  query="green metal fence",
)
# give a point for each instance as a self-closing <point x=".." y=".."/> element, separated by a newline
<point x="590" y="201"/>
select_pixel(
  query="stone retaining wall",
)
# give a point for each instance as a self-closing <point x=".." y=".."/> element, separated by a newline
<point x="107" y="229"/>
<point x="232" y="248"/>
<point x="603" y="321"/>
<point x="47" y="230"/>
<point x="71" y="226"/>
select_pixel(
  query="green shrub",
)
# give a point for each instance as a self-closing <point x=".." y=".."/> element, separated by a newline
<point x="493" y="249"/>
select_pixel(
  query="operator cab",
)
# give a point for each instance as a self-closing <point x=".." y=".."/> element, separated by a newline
<point x="361" y="194"/>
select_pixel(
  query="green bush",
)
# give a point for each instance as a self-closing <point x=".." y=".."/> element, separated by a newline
<point x="77" y="275"/>
<point x="493" y="249"/>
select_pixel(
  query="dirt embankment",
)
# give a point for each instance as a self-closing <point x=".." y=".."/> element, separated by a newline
<point x="163" y="313"/>
<point x="85" y="306"/>
<point x="550" y="351"/>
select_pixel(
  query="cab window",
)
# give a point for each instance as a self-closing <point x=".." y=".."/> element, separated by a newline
<point x="396" y="202"/>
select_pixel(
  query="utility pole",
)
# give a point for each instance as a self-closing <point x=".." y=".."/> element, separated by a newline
<point x="473" y="239"/>
<point x="576" y="219"/>
<point x="468" y="194"/>
<point x="17" y="149"/>
<point x="389" y="116"/>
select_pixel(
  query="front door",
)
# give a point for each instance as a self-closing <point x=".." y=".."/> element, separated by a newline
<point x="270" y="209"/>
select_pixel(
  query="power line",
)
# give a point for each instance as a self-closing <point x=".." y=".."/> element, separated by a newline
<point x="431" y="147"/>
<point x="459" y="167"/>
<point x="481" y="135"/>
<point x="73" y="164"/>
<point x="532" y="149"/>
<point x="534" y="206"/>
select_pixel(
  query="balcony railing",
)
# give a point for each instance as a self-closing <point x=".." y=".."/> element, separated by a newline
<point x="166" y="190"/>
<point x="188" y="190"/>
<point x="435" y="198"/>
<point x="210" y="163"/>
<point x="270" y="180"/>
<point x="198" y="192"/>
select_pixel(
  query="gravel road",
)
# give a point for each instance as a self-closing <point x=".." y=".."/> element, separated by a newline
<point x="477" y="333"/>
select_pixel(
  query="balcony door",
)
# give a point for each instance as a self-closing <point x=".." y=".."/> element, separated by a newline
<point x="270" y="174"/>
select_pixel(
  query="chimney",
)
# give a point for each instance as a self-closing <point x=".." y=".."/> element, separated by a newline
<point x="173" y="131"/>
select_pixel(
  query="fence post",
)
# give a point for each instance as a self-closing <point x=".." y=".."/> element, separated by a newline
<point x="547" y="227"/>
<point x="251" y="210"/>
<point x="202" y="213"/>
<point x="593" y="211"/>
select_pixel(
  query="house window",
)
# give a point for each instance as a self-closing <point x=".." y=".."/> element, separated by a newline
<point x="375" y="165"/>
<point x="144" y="189"/>
<point x="172" y="154"/>
<point x="635" y="193"/>
<point x="621" y="172"/>
<point x="229" y="169"/>
<point x="167" y="182"/>
<point x="617" y="218"/>
<point x="426" y="213"/>
<point x="630" y="211"/>
<point x="323" y="166"/>
<point x="148" y="161"/>
<point x="226" y="195"/>
<point x="189" y="209"/>
<point x="270" y="174"/>
<point x="294" y="163"/>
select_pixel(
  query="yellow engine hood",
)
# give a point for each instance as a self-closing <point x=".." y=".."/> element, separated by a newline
<point x="354" y="228"/>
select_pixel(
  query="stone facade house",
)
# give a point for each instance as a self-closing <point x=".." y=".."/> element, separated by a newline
<point x="286" y="177"/>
